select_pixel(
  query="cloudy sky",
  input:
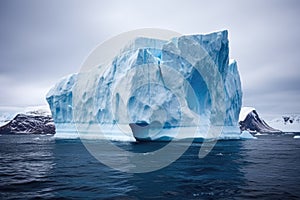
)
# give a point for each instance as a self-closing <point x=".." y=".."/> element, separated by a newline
<point x="43" y="40"/>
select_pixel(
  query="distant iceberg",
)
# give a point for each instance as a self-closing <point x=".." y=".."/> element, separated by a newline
<point x="119" y="96"/>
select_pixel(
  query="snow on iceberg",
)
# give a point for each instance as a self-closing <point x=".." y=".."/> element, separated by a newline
<point x="175" y="94"/>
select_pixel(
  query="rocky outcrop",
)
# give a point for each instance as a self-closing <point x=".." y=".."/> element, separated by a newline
<point x="29" y="124"/>
<point x="253" y="123"/>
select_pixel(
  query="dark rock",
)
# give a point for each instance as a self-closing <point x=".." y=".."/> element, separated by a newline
<point x="253" y="123"/>
<point x="286" y="119"/>
<point x="29" y="124"/>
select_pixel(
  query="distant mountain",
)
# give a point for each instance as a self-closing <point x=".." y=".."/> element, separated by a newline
<point x="34" y="121"/>
<point x="286" y="123"/>
<point x="250" y="120"/>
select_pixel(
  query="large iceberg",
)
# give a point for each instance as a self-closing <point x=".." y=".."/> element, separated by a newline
<point x="172" y="82"/>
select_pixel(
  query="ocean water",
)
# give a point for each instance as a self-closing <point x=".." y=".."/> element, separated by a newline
<point x="40" y="167"/>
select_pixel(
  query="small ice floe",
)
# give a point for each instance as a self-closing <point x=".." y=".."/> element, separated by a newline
<point x="297" y="137"/>
<point x="247" y="135"/>
<point x="36" y="138"/>
<point x="219" y="154"/>
<point x="258" y="134"/>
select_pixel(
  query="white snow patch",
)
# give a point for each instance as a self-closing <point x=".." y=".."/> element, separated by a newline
<point x="244" y="112"/>
<point x="38" y="110"/>
<point x="231" y="61"/>
<point x="279" y="123"/>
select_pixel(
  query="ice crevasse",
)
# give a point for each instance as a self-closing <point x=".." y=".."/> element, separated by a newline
<point x="176" y="84"/>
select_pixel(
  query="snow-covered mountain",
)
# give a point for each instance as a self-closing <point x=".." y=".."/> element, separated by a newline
<point x="250" y="120"/>
<point x="38" y="110"/>
<point x="286" y="122"/>
<point x="176" y="94"/>
<point x="29" y="124"/>
<point x="29" y="120"/>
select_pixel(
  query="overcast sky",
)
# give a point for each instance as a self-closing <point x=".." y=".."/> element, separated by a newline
<point x="41" y="41"/>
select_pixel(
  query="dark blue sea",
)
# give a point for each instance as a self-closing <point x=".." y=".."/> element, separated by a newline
<point x="40" y="167"/>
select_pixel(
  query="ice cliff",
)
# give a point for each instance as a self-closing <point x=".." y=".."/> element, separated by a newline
<point x="162" y="63"/>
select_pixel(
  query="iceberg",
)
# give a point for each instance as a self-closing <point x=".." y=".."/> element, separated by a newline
<point x="181" y="83"/>
<point x="60" y="99"/>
